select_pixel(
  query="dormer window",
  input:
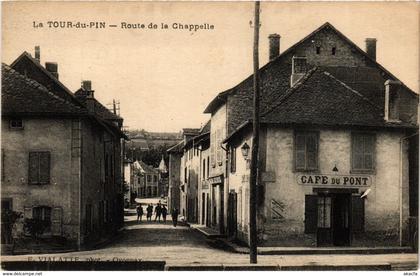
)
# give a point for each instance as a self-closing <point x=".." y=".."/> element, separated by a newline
<point x="333" y="51"/>
<point x="16" y="124"/>
<point x="318" y="50"/>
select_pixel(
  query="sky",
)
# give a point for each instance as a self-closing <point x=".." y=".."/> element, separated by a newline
<point x="164" y="78"/>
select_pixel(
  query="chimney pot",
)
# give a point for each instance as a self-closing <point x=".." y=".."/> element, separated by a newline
<point x="274" y="46"/>
<point x="52" y="67"/>
<point x="37" y="53"/>
<point x="87" y="87"/>
<point x="371" y="47"/>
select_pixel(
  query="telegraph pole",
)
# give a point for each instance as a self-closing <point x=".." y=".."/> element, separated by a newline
<point x="255" y="144"/>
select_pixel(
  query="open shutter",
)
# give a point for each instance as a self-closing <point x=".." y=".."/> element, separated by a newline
<point x="56" y="221"/>
<point x="369" y="148"/>
<point x="44" y="167"/>
<point x="311" y="213"/>
<point x="33" y="174"/>
<point x="311" y="151"/>
<point x="358" y="214"/>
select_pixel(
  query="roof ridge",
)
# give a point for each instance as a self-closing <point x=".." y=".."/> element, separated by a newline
<point x="290" y="91"/>
<point x="37" y="85"/>
<point x="351" y="89"/>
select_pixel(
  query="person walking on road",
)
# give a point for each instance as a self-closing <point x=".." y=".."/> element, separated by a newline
<point x="139" y="210"/>
<point x="158" y="212"/>
<point x="164" y="213"/>
<point x="149" y="212"/>
<point x="174" y="215"/>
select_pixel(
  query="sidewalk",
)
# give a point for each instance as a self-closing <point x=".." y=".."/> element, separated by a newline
<point x="231" y="246"/>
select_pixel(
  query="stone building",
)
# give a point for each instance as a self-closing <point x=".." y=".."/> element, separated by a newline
<point x="146" y="180"/>
<point x="335" y="146"/>
<point x="61" y="154"/>
<point x="174" y="174"/>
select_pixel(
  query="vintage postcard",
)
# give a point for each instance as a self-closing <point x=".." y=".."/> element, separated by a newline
<point x="209" y="136"/>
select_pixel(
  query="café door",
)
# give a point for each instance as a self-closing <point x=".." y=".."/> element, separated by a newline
<point x="334" y="220"/>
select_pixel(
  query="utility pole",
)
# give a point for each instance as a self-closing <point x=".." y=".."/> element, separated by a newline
<point x="255" y="143"/>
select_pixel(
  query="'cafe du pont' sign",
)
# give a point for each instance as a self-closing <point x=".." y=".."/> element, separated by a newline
<point x="342" y="181"/>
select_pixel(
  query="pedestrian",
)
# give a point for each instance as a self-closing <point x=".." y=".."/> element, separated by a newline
<point x="139" y="210"/>
<point x="149" y="212"/>
<point x="164" y="213"/>
<point x="174" y="215"/>
<point x="158" y="211"/>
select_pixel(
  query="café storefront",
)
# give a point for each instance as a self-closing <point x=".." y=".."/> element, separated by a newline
<point x="335" y="209"/>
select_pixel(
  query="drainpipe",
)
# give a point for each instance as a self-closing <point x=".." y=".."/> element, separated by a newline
<point x="402" y="139"/>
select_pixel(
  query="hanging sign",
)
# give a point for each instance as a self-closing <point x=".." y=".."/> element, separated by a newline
<point x="334" y="180"/>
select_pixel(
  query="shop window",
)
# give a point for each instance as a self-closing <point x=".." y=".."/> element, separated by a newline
<point x="43" y="213"/>
<point x="324" y="212"/>
<point x="363" y="152"/>
<point x="16" y="124"/>
<point x="306" y="151"/>
<point x="39" y="168"/>
<point x="233" y="160"/>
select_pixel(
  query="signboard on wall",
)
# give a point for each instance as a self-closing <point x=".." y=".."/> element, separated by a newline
<point x="342" y="181"/>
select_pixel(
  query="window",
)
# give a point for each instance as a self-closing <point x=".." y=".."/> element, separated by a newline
<point x="16" y="124"/>
<point x="138" y="180"/>
<point x="306" y="151"/>
<point x="233" y="160"/>
<point x="185" y="175"/>
<point x="318" y="50"/>
<point x="154" y="178"/>
<point x="208" y="166"/>
<point x="39" y="168"/>
<point x="43" y="213"/>
<point x="324" y="212"/>
<point x="213" y="149"/>
<point x="333" y="51"/>
<point x="363" y="152"/>
<point x="149" y="178"/>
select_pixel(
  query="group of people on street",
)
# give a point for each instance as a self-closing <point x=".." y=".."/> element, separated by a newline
<point x="160" y="210"/>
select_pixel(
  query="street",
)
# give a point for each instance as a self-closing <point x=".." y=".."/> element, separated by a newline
<point x="181" y="245"/>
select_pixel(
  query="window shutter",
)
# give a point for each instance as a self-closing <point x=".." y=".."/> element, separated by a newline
<point x="218" y="146"/>
<point x="358" y="214"/>
<point x="44" y="167"/>
<point x="56" y="221"/>
<point x="369" y="147"/>
<point x="33" y="175"/>
<point x="300" y="151"/>
<point x="311" y="213"/>
<point x="311" y="151"/>
<point x="358" y="152"/>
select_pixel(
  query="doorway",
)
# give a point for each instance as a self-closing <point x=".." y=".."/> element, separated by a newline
<point x="333" y="219"/>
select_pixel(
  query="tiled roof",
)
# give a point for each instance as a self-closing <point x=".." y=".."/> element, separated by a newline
<point x="100" y="109"/>
<point x="177" y="148"/>
<point x="21" y="95"/>
<point x="324" y="100"/>
<point x="144" y="168"/>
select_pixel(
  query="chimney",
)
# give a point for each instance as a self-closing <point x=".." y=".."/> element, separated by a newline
<point x="392" y="100"/>
<point x="371" y="47"/>
<point x="274" y="45"/>
<point x="299" y="68"/>
<point x="87" y="87"/>
<point x="37" y="53"/>
<point x="52" y="68"/>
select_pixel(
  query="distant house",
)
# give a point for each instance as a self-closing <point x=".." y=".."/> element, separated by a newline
<point x="145" y="179"/>
<point x="174" y="180"/>
<point x="61" y="155"/>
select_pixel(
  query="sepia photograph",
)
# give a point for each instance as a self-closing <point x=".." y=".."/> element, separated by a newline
<point x="209" y="136"/>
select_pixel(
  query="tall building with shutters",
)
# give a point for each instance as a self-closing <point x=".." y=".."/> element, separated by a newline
<point x="335" y="153"/>
<point x="61" y="154"/>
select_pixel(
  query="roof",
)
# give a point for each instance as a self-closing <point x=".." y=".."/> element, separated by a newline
<point x="206" y="127"/>
<point x="191" y="131"/>
<point x="177" y="148"/>
<point x="144" y="168"/>
<point x="100" y="110"/>
<point x="319" y="98"/>
<point x="221" y="98"/>
<point x="22" y="95"/>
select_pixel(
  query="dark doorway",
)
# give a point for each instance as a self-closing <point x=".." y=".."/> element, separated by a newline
<point x="333" y="219"/>
<point x="341" y="221"/>
<point x="232" y="211"/>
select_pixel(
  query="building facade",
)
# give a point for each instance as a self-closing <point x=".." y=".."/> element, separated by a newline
<point x="61" y="155"/>
<point x="334" y="148"/>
